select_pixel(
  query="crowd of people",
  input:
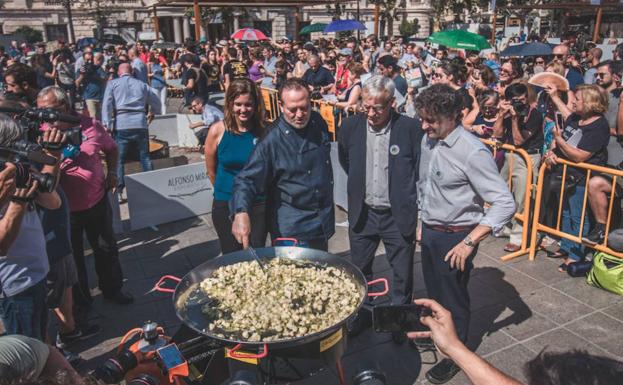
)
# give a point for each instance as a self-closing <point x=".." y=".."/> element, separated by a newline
<point x="412" y="117"/>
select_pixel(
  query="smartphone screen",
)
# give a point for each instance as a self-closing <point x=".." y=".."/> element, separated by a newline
<point x="396" y="318"/>
<point x="560" y="122"/>
<point x="171" y="356"/>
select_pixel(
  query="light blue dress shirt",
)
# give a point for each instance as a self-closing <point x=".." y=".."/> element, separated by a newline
<point x="125" y="99"/>
<point x="140" y="70"/>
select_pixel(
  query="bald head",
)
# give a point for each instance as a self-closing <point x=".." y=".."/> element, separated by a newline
<point x="132" y="53"/>
<point x="124" y="68"/>
<point x="595" y="55"/>
<point x="561" y="49"/>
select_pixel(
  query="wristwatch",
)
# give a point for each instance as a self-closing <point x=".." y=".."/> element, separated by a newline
<point x="468" y="241"/>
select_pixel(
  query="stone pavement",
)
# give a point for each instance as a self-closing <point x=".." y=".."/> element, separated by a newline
<point x="519" y="308"/>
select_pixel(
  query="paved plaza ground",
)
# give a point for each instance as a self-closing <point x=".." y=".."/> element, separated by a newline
<point x="519" y="307"/>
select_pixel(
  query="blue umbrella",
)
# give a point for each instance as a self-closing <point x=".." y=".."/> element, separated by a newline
<point x="344" y="25"/>
<point x="86" y="41"/>
<point x="528" y="49"/>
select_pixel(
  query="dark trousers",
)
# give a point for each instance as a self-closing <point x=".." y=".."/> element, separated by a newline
<point x="445" y="285"/>
<point x="97" y="223"/>
<point x="222" y="225"/>
<point x="375" y="226"/>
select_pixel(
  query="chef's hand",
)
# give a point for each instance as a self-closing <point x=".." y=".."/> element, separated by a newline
<point x="458" y="255"/>
<point x="241" y="228"/>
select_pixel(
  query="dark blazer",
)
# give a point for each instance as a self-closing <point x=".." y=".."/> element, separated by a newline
<point x="405" y="138"/>
<point x="293" y="171"/>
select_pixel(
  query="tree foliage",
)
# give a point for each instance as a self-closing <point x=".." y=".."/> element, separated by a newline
<point x="409" y="28"/>
<point x="30" y="34"/>
<point x="459" y="6"/>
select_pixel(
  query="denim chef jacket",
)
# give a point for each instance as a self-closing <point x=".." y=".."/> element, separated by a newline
<point x="293" y="170"/>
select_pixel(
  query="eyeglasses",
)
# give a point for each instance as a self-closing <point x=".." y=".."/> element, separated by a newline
<point x="539" y="62"/>
<point x="601" y="74"/>
<point x="437" y="75"/>
<point x="377" y="108"/>
<point x="559" y="56"/>
<point x="469" y="64"/>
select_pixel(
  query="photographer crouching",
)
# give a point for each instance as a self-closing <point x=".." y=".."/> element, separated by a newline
<point x="85" y="182"/>
<point x="23" y="257"/>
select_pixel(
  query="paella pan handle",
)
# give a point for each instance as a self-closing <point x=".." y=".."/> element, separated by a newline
<point x="295" y="242"/>
<point x="233" y="353"/>
<point x="158" y="285"/>
<point x="380" y="280"/>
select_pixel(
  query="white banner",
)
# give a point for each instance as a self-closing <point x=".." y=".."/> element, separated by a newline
<point x="168" y="195"/>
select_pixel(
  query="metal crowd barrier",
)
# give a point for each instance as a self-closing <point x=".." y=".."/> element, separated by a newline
<point x="330" y="114"/>
<point x="271" y="103"/>
<point x="539" y="227"/>
<point x="523" y="217"/>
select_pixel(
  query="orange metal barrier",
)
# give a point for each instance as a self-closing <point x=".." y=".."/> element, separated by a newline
<point x="539" y="227"/>
<point x="271" y="103"/>
<point x="523" y="217"/>
<point x="326" y="110"/>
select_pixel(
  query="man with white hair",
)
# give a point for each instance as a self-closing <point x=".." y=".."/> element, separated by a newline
<point x="379" y="150"/>
<point x="85" y="182"/>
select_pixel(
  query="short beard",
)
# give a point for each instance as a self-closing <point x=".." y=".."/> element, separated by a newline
<point x="297" y="126"/>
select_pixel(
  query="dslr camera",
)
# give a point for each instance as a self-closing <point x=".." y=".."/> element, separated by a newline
<point x="520" y="108"/>
<point x="27" y="157"/>
<point x="88" y="68"/>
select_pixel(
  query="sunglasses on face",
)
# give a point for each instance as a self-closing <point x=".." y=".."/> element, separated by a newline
<point x="436" y="75"/>
<point x="601" y="74"/>
<point x="559" y="56"/>
<point x="539" y="62"/>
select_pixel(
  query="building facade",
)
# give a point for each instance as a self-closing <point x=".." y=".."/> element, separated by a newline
<point x="50" y="17"/>
<point x="128" y="17"/>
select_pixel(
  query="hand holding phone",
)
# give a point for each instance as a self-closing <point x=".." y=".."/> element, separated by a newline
<point x="399" y="318"/>
<point x="560" y="122"/>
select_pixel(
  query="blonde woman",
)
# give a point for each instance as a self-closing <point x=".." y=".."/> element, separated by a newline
<point x="583" y="138"/>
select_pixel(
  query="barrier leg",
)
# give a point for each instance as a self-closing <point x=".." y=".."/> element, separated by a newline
<point x="537" y="213"/>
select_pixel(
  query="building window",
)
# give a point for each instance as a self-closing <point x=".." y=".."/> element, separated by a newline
<point x="56" y="32"/>
<point x="137" y="26"/>
<point x="1" y="29"/>
<point x="264" y="26"/>
<point x="54" y="3"/>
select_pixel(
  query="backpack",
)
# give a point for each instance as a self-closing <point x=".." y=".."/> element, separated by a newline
<point x="607" y="273"/>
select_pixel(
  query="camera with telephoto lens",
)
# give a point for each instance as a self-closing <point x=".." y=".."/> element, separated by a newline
<point x="27" y="157"/>
<point x="31" y="120"/>
<point x="114" y="370"/>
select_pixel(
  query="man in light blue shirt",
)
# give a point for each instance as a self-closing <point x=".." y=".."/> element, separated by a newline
<point x="209" y="115"/>
<point x="139" y="68"/>
<point x="124" y="110"/>
<point x="268" y="68"/>
<point x="408" y="56"/>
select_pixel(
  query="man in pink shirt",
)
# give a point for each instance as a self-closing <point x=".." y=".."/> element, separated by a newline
<point x="85" y="183"/>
